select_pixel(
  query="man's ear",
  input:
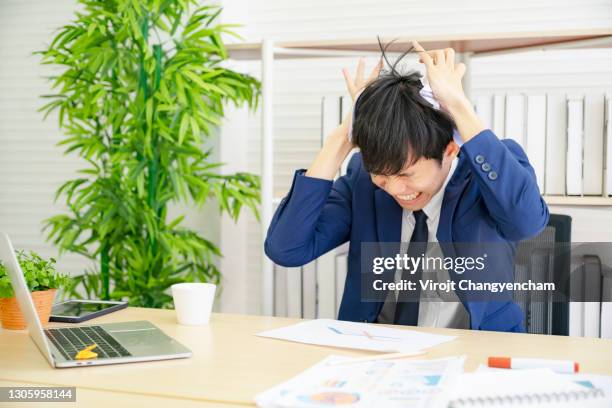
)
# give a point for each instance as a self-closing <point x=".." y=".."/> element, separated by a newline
<point x="452" y="150"/>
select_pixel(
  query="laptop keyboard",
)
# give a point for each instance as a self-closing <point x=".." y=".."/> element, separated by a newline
<point x="70" y="340"/>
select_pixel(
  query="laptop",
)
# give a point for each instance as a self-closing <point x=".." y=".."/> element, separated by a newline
<point x="125" y="342"/>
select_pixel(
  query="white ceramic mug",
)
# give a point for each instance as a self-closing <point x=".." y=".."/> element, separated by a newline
<point x="193" y="302"/>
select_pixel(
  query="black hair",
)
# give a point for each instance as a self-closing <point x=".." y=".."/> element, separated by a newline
<point x="395" y="126"/>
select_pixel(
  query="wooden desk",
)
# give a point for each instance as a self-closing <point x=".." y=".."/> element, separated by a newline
<point x="230" y="365"/>
<point x="89" y="398"/>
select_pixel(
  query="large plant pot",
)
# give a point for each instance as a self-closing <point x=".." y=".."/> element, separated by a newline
<point x="11" y="315"/>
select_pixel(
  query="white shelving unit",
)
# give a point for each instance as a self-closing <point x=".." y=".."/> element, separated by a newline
<point x="467" y="47"/>
<point x="578" y="200"/>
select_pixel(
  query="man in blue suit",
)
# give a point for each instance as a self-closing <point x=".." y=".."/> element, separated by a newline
<point x="413" y="183"/>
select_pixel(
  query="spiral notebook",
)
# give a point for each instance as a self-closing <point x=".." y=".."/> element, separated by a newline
<point x="525" y="388"/>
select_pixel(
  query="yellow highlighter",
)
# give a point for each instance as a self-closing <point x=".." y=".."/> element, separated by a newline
<point x="86" y="353"/>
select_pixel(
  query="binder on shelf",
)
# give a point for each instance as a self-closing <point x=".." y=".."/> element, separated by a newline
<point x="556" y="144"/>
<point x="592" y="284"/>
<point x="294" y="296"/>
<point x="499" y="116"/>
<point x="340" y="273"/>
<point x="576" y="311"/>
<point x="333" y="110"/>
<point x="484" y="110"/>
<point x="296" y="291"/>
<point x="585" y="316"/>
<point x="309" y="290"/>
<point x="280" y="291"/>
<point x="606" y="320"/>
<point x="515" y="118"/>
<point x="346" y="105"/>
<point x="326" y="286"/>
<point x="575" y="132"/>
<point x="608" y="143"/>
<point x="592" y="175"/>
<point x="606" y="303"/>
<point x="536" y="136"/>
<point x="576" y="308"/>
<point x="330" y="115"/>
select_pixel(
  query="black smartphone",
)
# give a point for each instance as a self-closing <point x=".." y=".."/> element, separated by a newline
<point x="76" y="311"/>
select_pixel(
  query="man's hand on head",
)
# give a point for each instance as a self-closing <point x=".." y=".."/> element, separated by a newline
<point x="443" y="74"/>
<point x="356" y="85"/>
<point x="444" y="77"/>
<point x="337" y="144"/>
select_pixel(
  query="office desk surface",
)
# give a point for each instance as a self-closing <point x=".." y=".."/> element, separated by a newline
<point x="108" y="399"/>
<point x="231" y="365"/>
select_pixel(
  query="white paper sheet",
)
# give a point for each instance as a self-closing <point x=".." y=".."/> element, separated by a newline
<point x="363" y="336"/>
<point x="383" y="383"/>
<point x="603" y="382"/>
<point x="504" y="382"/>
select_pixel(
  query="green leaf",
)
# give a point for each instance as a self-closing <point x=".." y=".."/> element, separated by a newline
<point x="183" y="128"/>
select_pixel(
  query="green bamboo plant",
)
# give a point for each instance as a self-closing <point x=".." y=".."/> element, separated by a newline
<point x="141" y="85"/>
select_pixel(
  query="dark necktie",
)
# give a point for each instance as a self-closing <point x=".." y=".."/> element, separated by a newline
<point x="407" y="310"/>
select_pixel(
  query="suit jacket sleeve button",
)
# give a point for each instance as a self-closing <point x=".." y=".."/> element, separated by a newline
<point x="479" y="159"/>
<point x="492" y="175"/>
<point x="485" y="167"/>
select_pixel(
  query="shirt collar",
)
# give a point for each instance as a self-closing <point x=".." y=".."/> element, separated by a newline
<point x="432" y="208"/>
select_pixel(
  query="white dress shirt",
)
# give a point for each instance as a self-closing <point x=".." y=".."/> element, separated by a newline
<point x="433" y="312"/>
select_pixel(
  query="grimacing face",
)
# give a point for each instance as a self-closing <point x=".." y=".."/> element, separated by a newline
<point x="414" y="186"/>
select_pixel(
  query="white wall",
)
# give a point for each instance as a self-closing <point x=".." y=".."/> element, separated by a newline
<point x="32" y="167"/>
<point x="332" y="19"/>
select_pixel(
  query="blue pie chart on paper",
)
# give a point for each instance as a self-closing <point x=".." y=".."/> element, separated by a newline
<point x="432" y="379"/>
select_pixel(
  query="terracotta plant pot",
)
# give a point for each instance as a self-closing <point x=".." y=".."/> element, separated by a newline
<point x="11" y="315"/>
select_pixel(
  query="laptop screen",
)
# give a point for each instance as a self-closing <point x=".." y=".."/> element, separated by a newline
<point x="7" y="255"/>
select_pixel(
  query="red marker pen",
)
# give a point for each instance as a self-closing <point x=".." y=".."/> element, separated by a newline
<point x="559" y="366"/>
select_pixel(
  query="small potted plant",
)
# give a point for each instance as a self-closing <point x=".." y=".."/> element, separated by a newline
<point x="42" y="280"/>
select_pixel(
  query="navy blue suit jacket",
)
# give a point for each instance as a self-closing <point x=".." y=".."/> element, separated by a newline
<point x="492" y="197"/>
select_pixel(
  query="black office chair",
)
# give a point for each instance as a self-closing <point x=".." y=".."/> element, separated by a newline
<point x="545" y="258"/>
